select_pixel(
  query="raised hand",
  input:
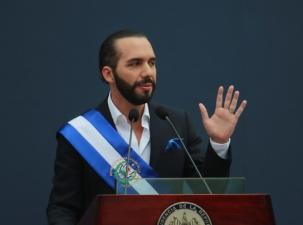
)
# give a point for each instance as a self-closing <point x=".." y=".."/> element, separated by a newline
<point x="221" y="125"/>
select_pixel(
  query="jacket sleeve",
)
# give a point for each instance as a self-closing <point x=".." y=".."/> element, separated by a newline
<point x="209" y="164"/>
<point x="65" y="205"/>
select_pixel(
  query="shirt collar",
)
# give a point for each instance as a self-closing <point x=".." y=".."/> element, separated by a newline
<point x="117" y="115"/>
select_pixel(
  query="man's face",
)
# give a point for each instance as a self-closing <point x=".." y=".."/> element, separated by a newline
<point x="135" y="73"/>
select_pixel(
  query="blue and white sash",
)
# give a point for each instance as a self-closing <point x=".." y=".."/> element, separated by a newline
<point x="104" y="149"/>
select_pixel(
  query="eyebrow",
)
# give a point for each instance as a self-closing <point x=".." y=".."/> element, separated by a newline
<point x="140" y="59"/>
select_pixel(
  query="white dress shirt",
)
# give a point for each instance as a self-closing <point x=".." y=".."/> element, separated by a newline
<point x="123" y="127"/>
<point x="142" y="148"/>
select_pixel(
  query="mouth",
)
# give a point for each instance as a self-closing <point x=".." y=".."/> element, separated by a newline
<point x="145" y="86"/>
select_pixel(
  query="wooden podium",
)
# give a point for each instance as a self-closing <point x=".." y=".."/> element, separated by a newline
<point x="222" y="209"/>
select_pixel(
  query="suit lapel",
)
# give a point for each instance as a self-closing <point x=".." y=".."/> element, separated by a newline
<point x="104" y="110"/>
<point x="160" y="133"/>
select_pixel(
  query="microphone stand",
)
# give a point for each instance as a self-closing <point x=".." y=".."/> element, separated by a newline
<point x="133" y="117"/>
<point x="189" y="156"/>
<point x="128" y="156"/>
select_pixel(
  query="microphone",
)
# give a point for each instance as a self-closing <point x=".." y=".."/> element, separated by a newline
<point x="133" y="116"/>
<point x="162" y="114"/>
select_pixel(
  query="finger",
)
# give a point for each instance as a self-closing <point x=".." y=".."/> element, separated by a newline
<point x="219" y="97"/>
<point x="228" y="96"/>
<point x="234" y="102"/>
<point x="203" y="111"/>
<point x="241" y="108"/>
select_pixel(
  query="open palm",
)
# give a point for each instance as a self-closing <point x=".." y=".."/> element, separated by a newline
<point x="221" y="125"/>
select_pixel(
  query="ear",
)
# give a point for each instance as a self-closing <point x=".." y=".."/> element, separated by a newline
<point x="107" y="74"/>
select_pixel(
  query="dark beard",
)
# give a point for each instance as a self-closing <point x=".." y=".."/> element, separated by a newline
<point x="128" y="91"/>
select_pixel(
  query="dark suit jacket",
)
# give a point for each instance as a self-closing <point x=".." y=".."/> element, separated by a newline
<point x="75" y="183"/>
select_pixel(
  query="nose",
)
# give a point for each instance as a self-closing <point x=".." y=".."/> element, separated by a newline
<point x="148" y="70"/>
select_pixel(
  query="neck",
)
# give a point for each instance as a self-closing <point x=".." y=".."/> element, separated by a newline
<point x="125" y="106"/>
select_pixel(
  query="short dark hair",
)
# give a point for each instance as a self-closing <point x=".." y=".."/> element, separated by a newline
<point x="108" y="55"/>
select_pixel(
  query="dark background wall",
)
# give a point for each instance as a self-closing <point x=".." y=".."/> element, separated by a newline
<point x="49" y="74"/>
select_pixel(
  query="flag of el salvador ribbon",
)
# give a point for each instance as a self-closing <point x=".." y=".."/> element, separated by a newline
<point x="102" y="147"/>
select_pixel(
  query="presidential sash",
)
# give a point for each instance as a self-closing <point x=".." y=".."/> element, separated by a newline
<point x="94" y="138"/>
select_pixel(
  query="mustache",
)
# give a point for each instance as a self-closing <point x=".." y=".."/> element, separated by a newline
<point x="145" y="80"/>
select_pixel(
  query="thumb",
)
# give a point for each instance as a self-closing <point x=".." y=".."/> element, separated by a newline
<point x="203" y="111"/>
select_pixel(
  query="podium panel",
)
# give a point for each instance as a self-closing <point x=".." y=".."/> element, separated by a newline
<point x="232" y="209"/>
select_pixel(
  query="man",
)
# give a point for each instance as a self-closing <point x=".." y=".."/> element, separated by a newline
<point x="128" y="65"/>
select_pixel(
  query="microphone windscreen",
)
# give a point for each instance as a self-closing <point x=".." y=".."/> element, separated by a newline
<point x="133" y="115"/>
<point x="161" y="112"/>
